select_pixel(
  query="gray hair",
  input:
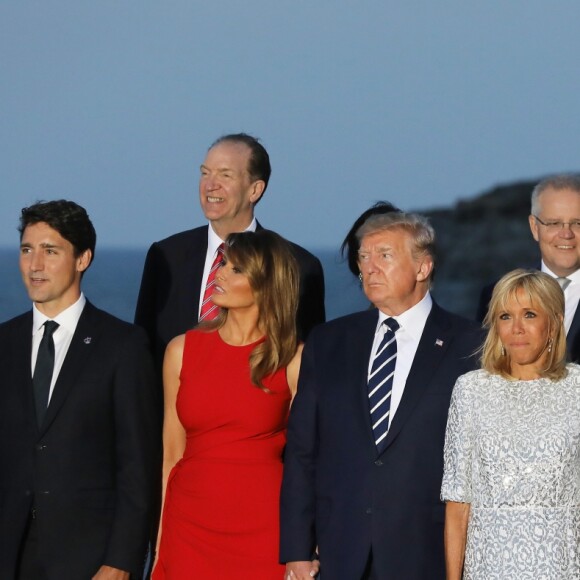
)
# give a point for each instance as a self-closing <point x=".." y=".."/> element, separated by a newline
<point x="557" y="182"/>
<point x="417" y="225"/>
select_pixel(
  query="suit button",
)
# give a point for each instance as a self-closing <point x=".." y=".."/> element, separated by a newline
<point x="378" y="463"/>
<point x="40" y="447"/>
<point x="369" y="510"/>
<point x="45" y="492"/>
<point x="27" y="493"/>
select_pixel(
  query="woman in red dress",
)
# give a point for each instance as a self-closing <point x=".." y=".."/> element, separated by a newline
<point x="228" y="385"/>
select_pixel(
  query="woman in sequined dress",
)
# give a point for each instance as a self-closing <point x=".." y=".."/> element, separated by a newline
<point x="512" y="449"/>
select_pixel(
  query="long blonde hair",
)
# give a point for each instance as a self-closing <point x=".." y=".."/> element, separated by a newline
<point x="272" y="271"/>
<point x="545" y="294"/>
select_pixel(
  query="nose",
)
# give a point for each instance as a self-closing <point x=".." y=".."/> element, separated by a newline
<point x="369" y="266"/>
<point x="517" y="326"/>
<point x="209" y="183"/>
<point x="566" y="231"/>
<point x="36" y="263"/>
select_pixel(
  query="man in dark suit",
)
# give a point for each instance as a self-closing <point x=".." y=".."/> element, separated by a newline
<point x="78" y="424"/>
<point x="555" y="225"/>
<point x="364" y="458"/>
<point x="234" y="176"/>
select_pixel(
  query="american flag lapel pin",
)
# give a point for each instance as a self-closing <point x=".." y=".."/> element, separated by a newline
<point x="87" y="340"/>
<point x="439" y="342"/>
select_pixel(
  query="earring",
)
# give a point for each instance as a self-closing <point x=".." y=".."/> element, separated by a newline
<point x="360" y="276"/>
<point x="502" y="350"/>
<point x="550" y="341"/>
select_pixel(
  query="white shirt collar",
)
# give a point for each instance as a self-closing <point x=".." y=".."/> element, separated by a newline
<point x="413" y="320"/>
<point x="214" y="241"/>
<point x="575" y="277"/>
<point x="68" y="318"/>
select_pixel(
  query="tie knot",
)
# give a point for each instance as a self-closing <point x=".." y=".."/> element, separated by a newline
<point x="391" y="324"/>
<point x="564" y="282"/>
<point x="49" y="327"/>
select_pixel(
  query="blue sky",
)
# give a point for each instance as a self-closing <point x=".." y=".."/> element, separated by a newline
<point x="113" y="104"/>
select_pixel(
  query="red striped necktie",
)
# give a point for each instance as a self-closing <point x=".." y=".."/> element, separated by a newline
<point x="209" y="310"/>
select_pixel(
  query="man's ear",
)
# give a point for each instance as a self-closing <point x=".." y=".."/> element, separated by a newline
<point x="84" y="260"/>
<point x="258" y="188"/>
<point x="534" y="227"/>
<point x="425" y="269"/>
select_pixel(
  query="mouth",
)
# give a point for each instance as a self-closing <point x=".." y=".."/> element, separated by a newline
<point x="218" y="289"/>
<point x="565" y="247"/>
<point x="213" y="199"/>
<point x="36" y="281"/>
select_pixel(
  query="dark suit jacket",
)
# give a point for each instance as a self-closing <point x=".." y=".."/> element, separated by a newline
<point x="338" y="493"/>
<point x="89" y="471"/>
<point x="572" y="337"/>
<point x="169" y="296"/>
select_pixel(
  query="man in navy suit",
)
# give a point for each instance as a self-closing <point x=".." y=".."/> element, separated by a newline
<point x="234" y="177"/>
<point x="362" y="476"/>
<point x="555" y="225"/>
<point x="78" y="423"/>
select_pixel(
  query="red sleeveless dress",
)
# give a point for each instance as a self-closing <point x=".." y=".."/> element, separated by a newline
<point x="220" y="518"/>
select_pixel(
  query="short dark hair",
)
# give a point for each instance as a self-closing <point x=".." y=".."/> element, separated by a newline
<point x="259" y="163"/>
<point x="68" y="218"/>
<point x="351" y="244"/>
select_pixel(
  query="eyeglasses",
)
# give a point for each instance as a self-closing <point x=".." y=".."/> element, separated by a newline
<point x="556" y="226"/>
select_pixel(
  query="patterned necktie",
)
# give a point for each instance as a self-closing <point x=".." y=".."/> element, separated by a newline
<point x="209" y="310"/>
<point x="43" y="370"/>
<point x="380" y="383"/>
<point x="564" y="282"/>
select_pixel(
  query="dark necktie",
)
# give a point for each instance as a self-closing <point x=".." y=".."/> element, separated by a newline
<point x="209" y="310"/>
<point x="380" y="383"/>
<point x="43" y="370"/>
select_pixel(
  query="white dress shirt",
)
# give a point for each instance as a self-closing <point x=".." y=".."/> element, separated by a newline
<point x="411" y="325"/>
<point x="213" y="243"/>
<point x="571" y="295"/>
<point x="67" y="321"/>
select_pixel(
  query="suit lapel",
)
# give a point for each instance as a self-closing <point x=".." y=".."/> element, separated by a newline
<point x="573" y="337"/>
<point x="82" y="345"/>
<point x="22" y="352"/>
<point x="432" y="347"/>
<point x="193" y="265"/>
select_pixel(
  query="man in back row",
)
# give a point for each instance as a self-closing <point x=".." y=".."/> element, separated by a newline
<point x="555" y="225"/>
<point x="179" y="270"/>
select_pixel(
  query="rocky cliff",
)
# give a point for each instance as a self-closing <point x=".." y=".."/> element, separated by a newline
<point x="479" y="240"/>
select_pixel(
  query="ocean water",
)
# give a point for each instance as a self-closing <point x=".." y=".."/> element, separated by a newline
<point x="112" y="283"/>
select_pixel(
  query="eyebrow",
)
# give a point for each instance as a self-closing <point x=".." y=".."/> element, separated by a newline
<point x="219" y="169"/>
<point x="43" y="245"/>
<point x="377" y="249"/>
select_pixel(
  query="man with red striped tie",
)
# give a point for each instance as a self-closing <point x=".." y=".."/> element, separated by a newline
<point x="179" y="271"/>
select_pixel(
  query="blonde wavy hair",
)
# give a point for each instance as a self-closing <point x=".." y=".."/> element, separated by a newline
<point x="546" y="295"/>
<point x="272" y="271"/>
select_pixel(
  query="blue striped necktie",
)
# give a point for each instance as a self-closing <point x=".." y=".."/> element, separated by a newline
<point x="380" y="383"/>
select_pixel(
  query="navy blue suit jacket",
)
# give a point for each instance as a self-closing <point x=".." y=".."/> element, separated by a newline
<point x="169" y="295"/>
<point x="338" y="492"/>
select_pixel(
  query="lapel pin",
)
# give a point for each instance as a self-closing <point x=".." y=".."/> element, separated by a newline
<point x="439" y="342"/>
<point x="87" y="340"/>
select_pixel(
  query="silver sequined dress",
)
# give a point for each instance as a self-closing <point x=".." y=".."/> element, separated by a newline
<point x="512" y="451"/>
